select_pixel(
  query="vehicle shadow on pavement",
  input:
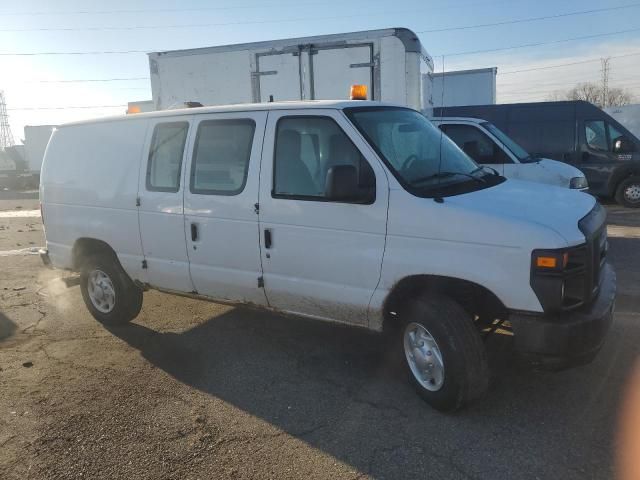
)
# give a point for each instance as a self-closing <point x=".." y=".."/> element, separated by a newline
<point x="7" y="327"/>
<point x="343" y="391"/>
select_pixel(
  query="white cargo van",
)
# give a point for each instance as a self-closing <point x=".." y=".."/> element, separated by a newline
<point x="353" y="212"/>
<point x="487" y="145"/>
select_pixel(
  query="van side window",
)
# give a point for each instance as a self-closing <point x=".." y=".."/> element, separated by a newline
<point x="596" y="134"/>
<point x="221" y="156"/>
<point x="165" y="156"/>
<point x="476" y="144"/>
<point x="306" y="148"/>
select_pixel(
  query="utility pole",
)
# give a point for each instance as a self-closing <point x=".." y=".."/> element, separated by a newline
<point x="605" y="81"/>
<point x="6" y="138"/>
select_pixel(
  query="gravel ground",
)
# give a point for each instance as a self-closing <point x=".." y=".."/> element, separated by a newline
<point x="195" y="390"/>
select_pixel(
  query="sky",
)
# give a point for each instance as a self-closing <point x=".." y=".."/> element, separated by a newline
<point x="40" y="87"/>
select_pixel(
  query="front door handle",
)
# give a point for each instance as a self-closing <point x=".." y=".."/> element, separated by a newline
<point x="194" y="232"/>
<point x="267" y="238"/>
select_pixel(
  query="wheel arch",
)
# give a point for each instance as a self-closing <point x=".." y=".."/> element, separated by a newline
<point x="621" y="173"/>
<point x="474" y="298"/>
<point x="85" y="247"/>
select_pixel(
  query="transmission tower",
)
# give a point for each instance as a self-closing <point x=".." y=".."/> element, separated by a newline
<point x="6" y="138"/>
<point x="605" y="82"/>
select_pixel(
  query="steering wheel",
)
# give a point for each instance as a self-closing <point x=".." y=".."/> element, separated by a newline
<point x="409" y="161"/>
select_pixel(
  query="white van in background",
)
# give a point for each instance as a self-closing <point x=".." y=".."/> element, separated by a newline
<point x="491" y="147"/>
<point x="353" y="212"/>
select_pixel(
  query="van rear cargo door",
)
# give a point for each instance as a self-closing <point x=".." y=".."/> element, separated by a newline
<point x="278" y="76"/>
<point x="334" y="70"/>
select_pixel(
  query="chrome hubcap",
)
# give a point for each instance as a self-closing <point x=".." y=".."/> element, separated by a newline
<point x="101" y="291"/>
<point x="424" y="357"/>
<point x="632" y="193"/>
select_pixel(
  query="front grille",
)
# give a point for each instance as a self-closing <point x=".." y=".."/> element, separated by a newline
<point x="578" y="283"/>
<point x="594" y="228"/>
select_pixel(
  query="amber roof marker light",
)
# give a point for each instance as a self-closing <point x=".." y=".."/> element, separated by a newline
<point x="358" y="92"/>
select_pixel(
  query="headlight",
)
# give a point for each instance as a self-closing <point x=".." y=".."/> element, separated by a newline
<point x="578" y="182"/>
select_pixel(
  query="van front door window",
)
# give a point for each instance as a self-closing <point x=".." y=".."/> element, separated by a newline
<point x="596" y="135"/>
<point x="306" y="148"/>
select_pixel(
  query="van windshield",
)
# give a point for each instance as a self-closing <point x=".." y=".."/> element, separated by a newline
<point x="426" y="162"/>
<point x="508" y="142"/>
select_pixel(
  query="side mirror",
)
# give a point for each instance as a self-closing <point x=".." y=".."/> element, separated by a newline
<point x="623" y="145"/>
<point x="341" y="184"/>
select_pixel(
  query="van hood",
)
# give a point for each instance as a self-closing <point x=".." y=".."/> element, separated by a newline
<point x="557" y="208"/>
<point x="561" y="169"/>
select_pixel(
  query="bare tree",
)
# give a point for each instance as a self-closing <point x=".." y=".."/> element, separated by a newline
<point x="594" y="93"/>
<point x="589" y="92"/>
<point x="618" y="97"/>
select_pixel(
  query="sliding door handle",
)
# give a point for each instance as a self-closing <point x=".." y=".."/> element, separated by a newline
<point x="267" y="238"/>
<point x="194" y="232"/>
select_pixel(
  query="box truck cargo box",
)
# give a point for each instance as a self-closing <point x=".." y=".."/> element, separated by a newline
<point x="390" y="62"/>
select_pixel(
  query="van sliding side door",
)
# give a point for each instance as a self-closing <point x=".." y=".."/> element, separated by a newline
<point x="221" y="206"/>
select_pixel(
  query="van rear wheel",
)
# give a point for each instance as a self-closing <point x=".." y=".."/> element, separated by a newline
<point x="628" y="192"/>
<point x="108" y="292"/>
<point x="445" y="356"/>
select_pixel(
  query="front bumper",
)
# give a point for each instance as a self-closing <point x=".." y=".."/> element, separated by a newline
<point x="570" y="338"/>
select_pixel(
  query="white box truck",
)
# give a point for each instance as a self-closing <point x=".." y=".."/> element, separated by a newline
<point x="462" y="87"/>
<point x="390" y="62"/>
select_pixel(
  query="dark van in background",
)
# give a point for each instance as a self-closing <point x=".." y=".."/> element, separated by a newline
<point x="574" y="132"/>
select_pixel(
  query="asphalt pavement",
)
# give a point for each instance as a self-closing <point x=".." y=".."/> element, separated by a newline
<point x="193" y="389"/>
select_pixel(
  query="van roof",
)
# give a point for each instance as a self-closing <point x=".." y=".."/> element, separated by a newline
<point x="459" y="119"/>
<point x="240" y="107"/>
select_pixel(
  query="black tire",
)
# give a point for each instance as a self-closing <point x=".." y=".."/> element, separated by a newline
<point x="630" y="185"/>
<point x="128" y="297"/>
<point x="466" y="371"/>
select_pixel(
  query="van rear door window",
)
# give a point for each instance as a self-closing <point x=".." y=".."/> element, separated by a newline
<point x="221" y="156"/>
<point x="165" y="156"/>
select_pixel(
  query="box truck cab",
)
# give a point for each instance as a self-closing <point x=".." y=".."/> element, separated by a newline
<point x="574" y="132"/>
<point x="487" y="145"/>
<point x="352" y="212"/>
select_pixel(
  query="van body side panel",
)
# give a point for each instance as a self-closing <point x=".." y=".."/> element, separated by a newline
<point x="89" y="186"/>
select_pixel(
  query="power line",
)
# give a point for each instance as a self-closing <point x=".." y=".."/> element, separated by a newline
<point x="159" y="10"/>
<point x="69" y="107"/>
<point x="205" y="9"/>
<point x="260" y="22"/>
<point x="125" y="52"/>
<point x="538" y="44"/>
<point x="565" y="64"/>
<point x="102" y="52"/>
<point x="83" y="80"/>
<point x="530" y="19"/>
<point x="552" y="90"/>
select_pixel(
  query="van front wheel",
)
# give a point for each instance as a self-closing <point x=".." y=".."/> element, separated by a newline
<point x="628" y="192"/>
<point x="445" y="356"/>
<point x="108" y="292"/>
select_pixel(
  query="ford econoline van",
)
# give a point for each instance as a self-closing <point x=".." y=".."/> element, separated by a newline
<point x="346" y="211"/>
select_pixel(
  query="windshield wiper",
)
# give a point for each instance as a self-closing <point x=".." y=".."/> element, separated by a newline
<point x="448" y="174"/>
